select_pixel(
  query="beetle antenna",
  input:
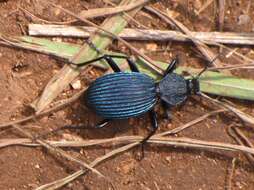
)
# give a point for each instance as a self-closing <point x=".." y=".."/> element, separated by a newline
<point x="215" y="58"/>
<point x="206" y="67"/>
<point x="200" y="73"/>
<point x="93" y="46"/>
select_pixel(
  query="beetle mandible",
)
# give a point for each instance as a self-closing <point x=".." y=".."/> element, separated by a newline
<point x="122" y="95"/>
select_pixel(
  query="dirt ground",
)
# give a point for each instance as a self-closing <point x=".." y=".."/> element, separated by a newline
<point x="24" y="74"/>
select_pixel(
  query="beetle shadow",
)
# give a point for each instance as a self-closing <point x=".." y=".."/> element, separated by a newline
<point x="80" y="115"/>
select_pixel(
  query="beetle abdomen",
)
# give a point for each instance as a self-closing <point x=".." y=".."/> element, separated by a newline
<point x="121" y="95"/>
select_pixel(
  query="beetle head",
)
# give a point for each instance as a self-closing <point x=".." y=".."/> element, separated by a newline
<point x="193" y="86"/>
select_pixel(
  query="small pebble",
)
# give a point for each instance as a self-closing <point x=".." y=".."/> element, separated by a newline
<point x="151" y="46"/>
<point x="243" y="19"/>
<point x="57" y="39"/>
<point x="76" y="85"/>
<point x="168" y="159"/>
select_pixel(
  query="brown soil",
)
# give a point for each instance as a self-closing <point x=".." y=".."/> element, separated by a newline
<point x="23" y="75"/>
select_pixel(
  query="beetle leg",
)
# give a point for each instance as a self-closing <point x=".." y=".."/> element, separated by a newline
<point x="112" y="63"/>
<point x="166" y="108"/>
<point x="132" y="65"/>
<point x="153" y="118"/>
<point x="171" y="66"/>
<point x="103" y="123"/>
<point x="107" y="58"/>
<point x="87" y="62"/>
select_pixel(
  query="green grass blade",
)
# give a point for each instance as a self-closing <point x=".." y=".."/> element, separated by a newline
<point x="59" y="49"/>
<point x="230" y="86"/>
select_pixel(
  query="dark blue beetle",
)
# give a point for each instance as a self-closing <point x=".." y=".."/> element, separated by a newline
<point x="123" y="95"/>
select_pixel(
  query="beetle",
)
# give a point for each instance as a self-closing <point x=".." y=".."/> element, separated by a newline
<point x="123" y="95"/>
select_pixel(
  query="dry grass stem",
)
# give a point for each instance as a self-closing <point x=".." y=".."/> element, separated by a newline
<point x="102" y="12"/>
<point x="244" y="116"/>
<point x="241" y="139"/>
<point x="206" y="4"/>
<point x="191" y="123"/>
<point x="157" y="139"/>
<point x="127" y="16"/>
<point x="233" y="67"/>
<point x="143" y="34"/>
<point x="221" y="14"/>
<point x="231" y="174"/>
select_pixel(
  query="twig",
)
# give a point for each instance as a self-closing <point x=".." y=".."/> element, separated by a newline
<point x="143" y="35"/>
